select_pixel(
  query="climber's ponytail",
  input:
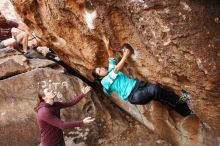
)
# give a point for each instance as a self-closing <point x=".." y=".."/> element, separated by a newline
<point x="97" y="80"/>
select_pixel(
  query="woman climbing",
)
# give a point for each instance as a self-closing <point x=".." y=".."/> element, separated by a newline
<point x="134" y="91"/>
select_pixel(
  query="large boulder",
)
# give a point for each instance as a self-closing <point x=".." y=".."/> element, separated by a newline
<point x="176" y="44"/>
<point x="19" y="86"/>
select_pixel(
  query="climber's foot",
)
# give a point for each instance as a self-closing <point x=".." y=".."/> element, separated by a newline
<point x="184" y="97"/>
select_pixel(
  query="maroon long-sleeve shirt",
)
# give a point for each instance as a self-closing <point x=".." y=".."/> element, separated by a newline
<point x="5" y="29"/>
<point x="48" y="118"/>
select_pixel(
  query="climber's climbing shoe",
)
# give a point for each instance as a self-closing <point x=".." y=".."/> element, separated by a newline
<point x="184" y="97"/>
<point x="192" y="113"/>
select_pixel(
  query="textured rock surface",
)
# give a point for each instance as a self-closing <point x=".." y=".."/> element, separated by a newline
<point x="19" y="84"/>
<point x="176" y="44"/>
<point x="18" y="96"/>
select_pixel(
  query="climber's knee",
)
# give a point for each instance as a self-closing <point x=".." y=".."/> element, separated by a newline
<point x="21" y="36"/>
<point x="140" y="97"/>
<point x="8" y="42"/>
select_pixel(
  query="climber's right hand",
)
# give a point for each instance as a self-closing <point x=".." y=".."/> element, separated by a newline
<point x="126" y="52"/>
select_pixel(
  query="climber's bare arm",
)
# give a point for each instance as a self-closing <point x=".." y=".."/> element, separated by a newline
<point x="107" y="47"/>
<point x="23" y="27"/>
<point x="120" y="65"/>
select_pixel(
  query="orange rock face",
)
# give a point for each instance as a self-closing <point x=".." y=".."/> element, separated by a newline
<point x="19" y="86"/>
<point x="176" y="44"/>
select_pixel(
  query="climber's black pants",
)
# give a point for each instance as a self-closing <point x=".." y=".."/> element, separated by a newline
<point x="145" y="92"/>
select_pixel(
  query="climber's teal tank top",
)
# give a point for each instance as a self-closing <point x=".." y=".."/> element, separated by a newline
<point x="119" y="83"/>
